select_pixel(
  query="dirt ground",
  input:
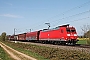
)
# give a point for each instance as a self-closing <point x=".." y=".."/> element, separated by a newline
<point x="15" y="54"/>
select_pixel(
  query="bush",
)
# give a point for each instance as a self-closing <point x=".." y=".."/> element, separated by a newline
<point x="3" y="36"/>
<point x="88" y="42"/>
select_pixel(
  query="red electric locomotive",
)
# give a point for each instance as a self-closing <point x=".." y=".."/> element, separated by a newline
<point x="61" y="34"/>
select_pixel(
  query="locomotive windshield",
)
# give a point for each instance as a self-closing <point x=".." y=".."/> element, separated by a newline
<point x="71" y="30"/>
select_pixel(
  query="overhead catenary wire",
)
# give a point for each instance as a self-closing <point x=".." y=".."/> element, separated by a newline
<point x="72" y="9"/>
<point x="78" y="19"/>
<point x="63" y="13"/>
<point x="54" y="22"/>
<point x="70" y="16"/>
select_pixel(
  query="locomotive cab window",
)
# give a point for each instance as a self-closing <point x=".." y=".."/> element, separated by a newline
<point x="68" y="30"/>
<point x="71" y="30"/>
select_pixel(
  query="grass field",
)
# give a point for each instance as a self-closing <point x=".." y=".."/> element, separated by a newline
<point x="83" y="40"/>
<point x="3" y="55"/>
<point x="46" y="53"/>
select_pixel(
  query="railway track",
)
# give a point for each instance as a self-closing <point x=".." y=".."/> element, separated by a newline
<point x="77" y="47"/>
<point x="85" y="46"/>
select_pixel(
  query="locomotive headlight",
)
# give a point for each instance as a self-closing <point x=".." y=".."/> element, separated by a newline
<point x="75" y="34"/>
<point x="68" y="34"/>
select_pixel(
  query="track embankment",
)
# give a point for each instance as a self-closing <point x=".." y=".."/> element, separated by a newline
<point x="82" y="48"/>
<point x="15" y="54"/>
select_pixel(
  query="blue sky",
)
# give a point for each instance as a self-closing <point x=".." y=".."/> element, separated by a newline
<point x="24" y="15"/>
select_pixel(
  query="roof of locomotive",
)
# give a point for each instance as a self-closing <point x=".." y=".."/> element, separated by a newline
<point x="64" y="25"/>
<point x="67" y="25"/>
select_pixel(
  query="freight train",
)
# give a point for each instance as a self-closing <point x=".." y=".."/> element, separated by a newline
<point x="59" y="35"/>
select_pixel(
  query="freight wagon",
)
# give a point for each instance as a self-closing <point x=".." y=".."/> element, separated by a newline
<point x="22" y="36"/>
<point x="32" y="36"/>
<point x="11" y="37"/>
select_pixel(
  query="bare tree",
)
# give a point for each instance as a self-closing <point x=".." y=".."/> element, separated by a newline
<point x="86" y="31"/>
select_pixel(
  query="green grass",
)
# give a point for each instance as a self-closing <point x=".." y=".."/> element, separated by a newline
<point x="46" y="53"/>
<point x="82" y="42"/>
<point x="26" y="51"/>
<point x="4" y="55"/>
<point x="30" y="53"/>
